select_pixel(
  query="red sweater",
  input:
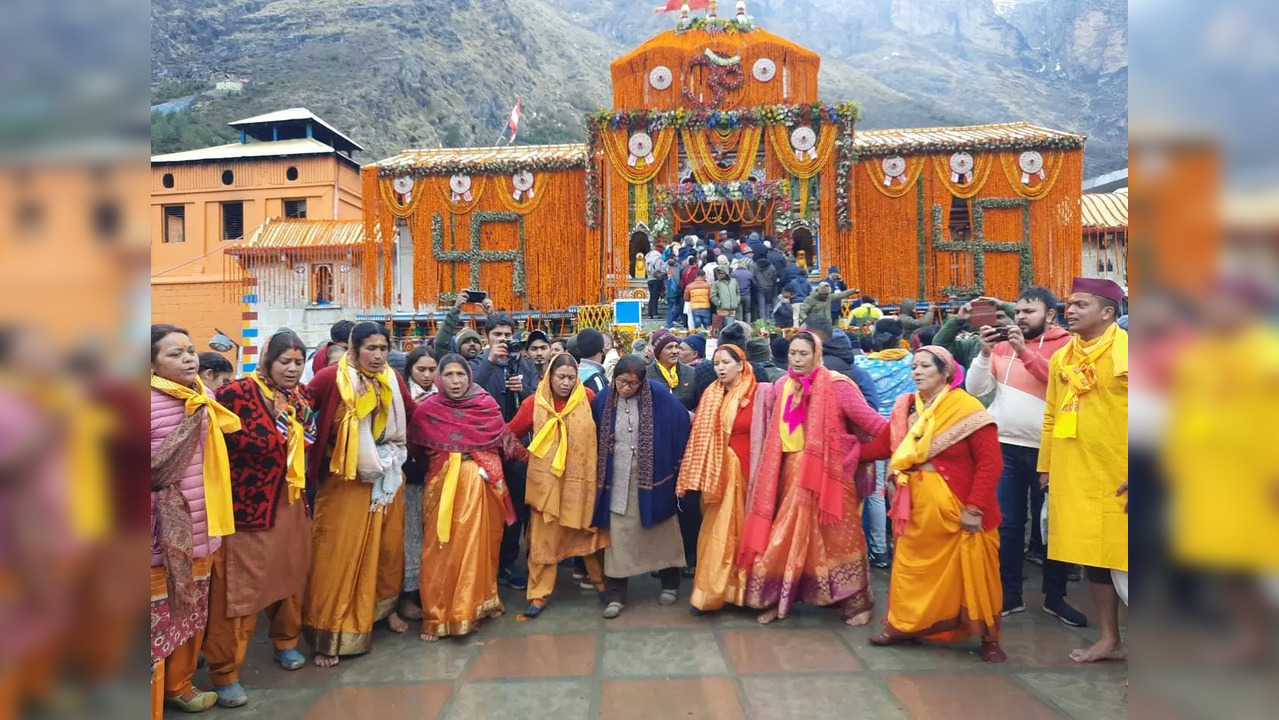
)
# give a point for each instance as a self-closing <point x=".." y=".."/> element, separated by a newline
<point x="970" y="467"/>
<point x="522" y="423"/>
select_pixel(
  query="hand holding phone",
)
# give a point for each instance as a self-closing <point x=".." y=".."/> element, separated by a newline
<point x="982" y="314"/>
<point x="475" y="296"/>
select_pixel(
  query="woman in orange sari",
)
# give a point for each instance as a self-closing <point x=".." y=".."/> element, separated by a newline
<point x="803" y="540"/>
<point x="944" y="449"/>
<point x="724" y="447"/>
<point x="561" y="480"/>
<point x="357" y="538"/>
<point x="459" y="434"/>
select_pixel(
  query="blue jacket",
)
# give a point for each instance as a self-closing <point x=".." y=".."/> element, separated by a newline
<point x="673" y="290"/>
<point x="670" y="436"/>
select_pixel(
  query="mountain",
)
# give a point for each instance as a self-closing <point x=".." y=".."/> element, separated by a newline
<point x="423" y="73"/>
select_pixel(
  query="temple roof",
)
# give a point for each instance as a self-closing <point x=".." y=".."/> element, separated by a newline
<point x="1105" y="210"/>
<point x="999" y="136"/>
<point x="279" y="234"/>
<point x="486" y="160"/>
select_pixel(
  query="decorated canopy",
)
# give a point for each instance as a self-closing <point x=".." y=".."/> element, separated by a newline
<point x="718" y="124"/>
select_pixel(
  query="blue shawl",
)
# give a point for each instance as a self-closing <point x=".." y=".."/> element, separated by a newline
<point x="663" y="434"/>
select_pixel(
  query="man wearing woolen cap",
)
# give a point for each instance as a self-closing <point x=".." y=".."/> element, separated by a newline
<point x="667" y="369"/>
<point x="1083" y="453"/>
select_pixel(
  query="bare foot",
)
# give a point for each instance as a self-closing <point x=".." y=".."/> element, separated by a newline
<point x="861" y="618"/>
<point x="396" y="623"/>
<point x="1101" y="651"/>
<point x="428" y="637"/>
<point x="325" y="661"/>
<point x="409" y="610"/>
<point x="767" y="616"/>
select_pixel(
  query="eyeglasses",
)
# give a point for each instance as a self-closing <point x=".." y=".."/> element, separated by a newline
<point x="626" y="383"/>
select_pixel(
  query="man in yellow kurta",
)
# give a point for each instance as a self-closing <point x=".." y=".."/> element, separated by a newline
<point x="1083" y="456"/>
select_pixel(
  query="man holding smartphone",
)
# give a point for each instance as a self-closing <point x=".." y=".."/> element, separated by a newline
<point x="1013" y="366"/>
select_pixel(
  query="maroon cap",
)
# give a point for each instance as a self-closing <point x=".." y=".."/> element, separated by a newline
<point x="1101" y="287"/>
<point x="661" y="339"/>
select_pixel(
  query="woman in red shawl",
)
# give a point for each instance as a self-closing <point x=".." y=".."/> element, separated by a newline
<point x="803" y="538"/>
<point x="460" y="435"/>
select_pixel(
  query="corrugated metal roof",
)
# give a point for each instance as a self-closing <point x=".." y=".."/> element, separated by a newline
<point x="1105" y="210"/>
<point x="278" y="234"/>
<point x="237" y="151"/>
<point x="1018" y="135"/>
<point x="446" y="161"/>
<point x="293" y="114"/>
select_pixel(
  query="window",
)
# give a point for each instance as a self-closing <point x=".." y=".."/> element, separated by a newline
<point x="175" y="223"/>
<point x="232" y="220"/>
<point x="167" y="180"/>
<point x="291" y="173"/>
<point x="295" y="208"/>
<point x="106" y="220"/>
<point x="228" y="177"/>
<point x="322" y="284"/>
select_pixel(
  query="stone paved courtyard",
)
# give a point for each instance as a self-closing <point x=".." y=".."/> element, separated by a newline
<point x="660" y="662"/>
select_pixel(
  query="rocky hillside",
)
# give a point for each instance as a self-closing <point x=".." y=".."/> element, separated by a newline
<point x="405" y="73"/>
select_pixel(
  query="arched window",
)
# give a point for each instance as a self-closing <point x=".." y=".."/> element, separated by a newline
<point x="322" y="284"/>
<point x="802" y="239"/>
<point x="639" y="245"/>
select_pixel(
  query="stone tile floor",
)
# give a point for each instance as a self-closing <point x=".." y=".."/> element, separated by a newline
<point x="661" y="662"/>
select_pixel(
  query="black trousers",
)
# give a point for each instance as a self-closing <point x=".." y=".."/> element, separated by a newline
<point x="615" y="588"/>
<point x="516" y="480"/>
<point x="690" y="524"/>
<point x="656" y="289"/>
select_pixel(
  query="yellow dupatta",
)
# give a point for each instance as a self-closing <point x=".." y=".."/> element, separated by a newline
<point x="377" y="393"/>
<point x="295" y="475"/>
<point x="670" y="376"/>
<point x="217" y="467"/>
<point x="555" y="427"/>
<point x="448" y="493"/>
<point x="914" y="447"/>
<point x="1079" y="372"/>
<point x="792" y="440"/>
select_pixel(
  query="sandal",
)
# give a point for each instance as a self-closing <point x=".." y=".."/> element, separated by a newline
<point x="613" y="610"/>
<point x="290" y="659"/>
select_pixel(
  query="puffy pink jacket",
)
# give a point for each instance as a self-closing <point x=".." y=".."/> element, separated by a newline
<point x="166" y="414"/>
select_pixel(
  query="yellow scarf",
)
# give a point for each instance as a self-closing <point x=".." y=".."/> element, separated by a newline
<point x="217" y="469"/>
<point x="377" y="394"/>
<point x="555" y="428"/>
<point x="890" y="355"/>
<point x="296" y="448"/>
<point x="671" y="376"/>
<point x="791" y="441"/>
<point x="1079" y="372"/>
<point x="444" y="520"/>
<point x="913" y="450"/>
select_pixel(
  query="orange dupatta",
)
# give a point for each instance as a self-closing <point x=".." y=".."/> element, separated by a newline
<point x="701" y="469"/>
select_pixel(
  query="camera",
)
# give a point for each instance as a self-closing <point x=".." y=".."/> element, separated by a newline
<point x="514" y="347"/>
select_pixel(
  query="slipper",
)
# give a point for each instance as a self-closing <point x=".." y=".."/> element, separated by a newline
<point x="198" y="704"/>
<point x="613" y="610"/>
<point x="290" y="659"/>
<point x="533" y="610"/>
<point x="231" y="696"/>
<point x="667" y="597"/>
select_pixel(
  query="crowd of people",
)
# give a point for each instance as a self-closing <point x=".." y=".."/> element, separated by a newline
<point x="338" y="492"/>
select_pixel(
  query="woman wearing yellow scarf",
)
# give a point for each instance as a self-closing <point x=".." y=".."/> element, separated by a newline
<point x="354" y="471"/>
<point x="263" y="566"/>
<point x="943" y="448"/>
<point x="561" y="480"/>
<point x="190" y="511"/>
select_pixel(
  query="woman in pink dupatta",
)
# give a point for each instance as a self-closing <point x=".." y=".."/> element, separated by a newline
<point x="803" y="539"/>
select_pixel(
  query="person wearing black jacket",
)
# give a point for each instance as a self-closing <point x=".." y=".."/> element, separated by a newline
<point x="510" y="379"/>
<point x="704" y="372"/>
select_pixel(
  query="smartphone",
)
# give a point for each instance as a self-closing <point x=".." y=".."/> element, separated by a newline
<point x="475" y="296"/>
<point x="983" y="314"/>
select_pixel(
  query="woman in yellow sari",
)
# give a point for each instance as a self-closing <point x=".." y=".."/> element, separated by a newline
<point x="561" y="480"/>
<point x="357" y="538"/>
<point x="460" y="435"/>
<point x="724" y="448"/>
<point x="944" y="449"/>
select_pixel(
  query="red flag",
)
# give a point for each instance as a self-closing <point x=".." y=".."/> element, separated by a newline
<point x="674" y="5"/>
<point x="513" y="122"/>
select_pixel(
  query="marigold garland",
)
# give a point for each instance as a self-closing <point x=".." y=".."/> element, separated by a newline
<point x="779" y="140"/>
<point x="391" y="199"/>
<point x="914" y="167"/>
<point x="523" y="207"/>
<point x="705" y="169"/>
<point x="615" y="145"/>
<point x="1052" y="168"/>
<point x="981" y="170"/>
<point x="478" y="184"/>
